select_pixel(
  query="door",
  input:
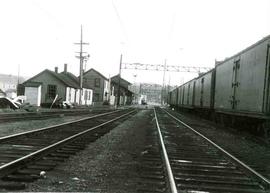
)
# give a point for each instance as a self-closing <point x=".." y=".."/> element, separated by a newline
<point x="267" y="82"/>
<point x="188" y="94"/>
<point x="201" y="92"/>
<point x="235" y="84"/>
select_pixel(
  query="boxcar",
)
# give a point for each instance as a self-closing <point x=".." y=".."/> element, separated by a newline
<point x="242" y="81"/>
<point x="204" y="92"/>
<point x="236" y="92"/>
<point x="187" y="93"/>
<point x="173" y="98"/>
<point x="242" y="84"/>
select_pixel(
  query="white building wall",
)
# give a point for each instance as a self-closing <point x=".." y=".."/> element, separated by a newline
<point x="87" y="97"/>
<point x="33" y="95"/>
<point x="70" y="95"/>
<point x="77" y="96"/>
<point x="39" y="96"/>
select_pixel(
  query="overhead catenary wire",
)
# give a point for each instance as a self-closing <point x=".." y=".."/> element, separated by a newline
<point x="122" y="26"/>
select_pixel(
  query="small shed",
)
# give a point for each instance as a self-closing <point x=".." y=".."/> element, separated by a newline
<point x="33" y="93"/>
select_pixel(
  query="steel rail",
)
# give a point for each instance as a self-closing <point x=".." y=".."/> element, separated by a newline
<point x="7" y="117"/>
<point x="57" y="125"/>
<point x="261" y="178"/>
<point x="50" y="147"/>
<point x="166" y="158"/>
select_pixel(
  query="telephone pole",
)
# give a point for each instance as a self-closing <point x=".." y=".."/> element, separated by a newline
<point x="81" y="57"/>
<point x="119" y="82"/>
<point x="163" y="84"/>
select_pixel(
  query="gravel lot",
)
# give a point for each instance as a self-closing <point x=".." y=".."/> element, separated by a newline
<point x="107" y="165"/>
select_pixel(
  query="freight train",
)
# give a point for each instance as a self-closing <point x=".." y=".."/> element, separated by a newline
<point x="235" y="93"/>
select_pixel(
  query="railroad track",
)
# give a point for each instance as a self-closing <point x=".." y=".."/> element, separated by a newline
<point x="179" y="159"/>
<point x="25" y="156"/>
<point x="8" y="117"/>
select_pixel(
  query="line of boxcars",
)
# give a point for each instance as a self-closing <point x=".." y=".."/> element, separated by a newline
<point x="234" y="93"/>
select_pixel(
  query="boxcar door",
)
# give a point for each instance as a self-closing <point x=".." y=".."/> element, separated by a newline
<point x="188" y="94"/>
<point x="193" y="93"/>
<point x="183" y="98"/>
<point x="235" y="83"/>
<point x="202" y="89"/>
<point x="267" y="82"/>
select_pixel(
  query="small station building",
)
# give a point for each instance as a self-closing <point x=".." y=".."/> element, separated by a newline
<point x="48" y="86"/>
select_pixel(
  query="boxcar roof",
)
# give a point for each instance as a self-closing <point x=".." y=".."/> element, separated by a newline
<point x="245" y="50"/>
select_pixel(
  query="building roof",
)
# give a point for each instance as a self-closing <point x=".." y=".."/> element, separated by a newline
<point x="92" y="69"/>
<point x="123" y="82"/>
<point x="75" y="79"/>
<point x="66" y="80"/>
<point x="32" y="84"/>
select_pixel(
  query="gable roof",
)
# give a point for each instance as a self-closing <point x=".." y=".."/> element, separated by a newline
<point x="92" y="69"/>
<point x="66" y="80"/>
<point x="32" y="84"/>
<point x="116" y="79"/>
<point x="123" y="83"/>
<point x="76" y="79"/>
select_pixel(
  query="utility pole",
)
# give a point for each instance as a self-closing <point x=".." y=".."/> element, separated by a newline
<point x="119" y="81"/>
<point x="163" y="84"/>
<point x="81" y="57"/>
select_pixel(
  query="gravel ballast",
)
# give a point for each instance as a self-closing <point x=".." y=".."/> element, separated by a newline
<point x="9" y="128"/>
<point x="107" y="165"/>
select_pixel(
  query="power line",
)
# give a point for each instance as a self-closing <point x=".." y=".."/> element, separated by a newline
<point x="119" y="20"/>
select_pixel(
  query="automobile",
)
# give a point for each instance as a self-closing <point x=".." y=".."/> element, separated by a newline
<point x="6" y="102"/>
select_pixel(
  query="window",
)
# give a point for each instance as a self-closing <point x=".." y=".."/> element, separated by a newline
<point x="51" y="92"/>
<point x="97" y="82"/>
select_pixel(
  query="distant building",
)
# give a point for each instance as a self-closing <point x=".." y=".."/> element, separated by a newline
<point x="126" y="95"/>
<point x="8" y="84"/>
<point x="152" y="92"/>
<point x="43" y="88"/>
<point x="11" y="93"/>
<point x="100" y="85"/>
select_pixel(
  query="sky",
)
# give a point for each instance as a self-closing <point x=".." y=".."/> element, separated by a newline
<point x="40" y="34"/>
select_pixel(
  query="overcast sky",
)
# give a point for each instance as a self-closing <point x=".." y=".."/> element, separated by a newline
<point x="40" y="34"/>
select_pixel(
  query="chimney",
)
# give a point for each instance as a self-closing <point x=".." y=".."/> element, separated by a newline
<point x="56" y="69"/>
<point x="65" y="68"/>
